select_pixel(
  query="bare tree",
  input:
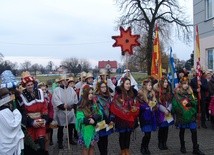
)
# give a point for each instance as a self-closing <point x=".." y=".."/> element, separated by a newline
<point x="35" y="68"/>
<point x="85" y="65"/>
<point x="42" y="69"/>
<point x="71" y="64"/>
<point x="144" y="14"/>
<point x="50" y="65"/>
<point x="1" y="57"/>
<point x="74" y="65"/>
<point x="26" y="65"/>
<point x="8" y="65"/>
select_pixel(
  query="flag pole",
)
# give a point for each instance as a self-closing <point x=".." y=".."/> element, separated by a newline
<point x="198" y="75"/>
<point x="66" y="118"/>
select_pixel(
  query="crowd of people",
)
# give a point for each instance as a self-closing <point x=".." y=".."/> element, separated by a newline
<point x="91" y="109"/>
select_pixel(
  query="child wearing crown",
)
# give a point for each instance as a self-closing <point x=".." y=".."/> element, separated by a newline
<point x="184" y="105"/>
<point x="148" y="112"/>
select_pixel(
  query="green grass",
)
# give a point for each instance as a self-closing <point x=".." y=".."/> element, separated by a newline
<point x="47" y="79"/>
<point x="139" y="77"/>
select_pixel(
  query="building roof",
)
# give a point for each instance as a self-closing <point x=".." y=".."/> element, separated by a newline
<point x="105" y="64"/>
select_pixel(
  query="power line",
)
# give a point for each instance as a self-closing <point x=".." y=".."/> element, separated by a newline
<point x="48" y="44"/>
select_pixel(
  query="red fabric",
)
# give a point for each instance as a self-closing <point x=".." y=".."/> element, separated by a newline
<point x="41" y="107"/>
<point x="27" y="79"/>
<point x="37" y="107"/>
<point x="211" y="106"/>
<point x="36" y="133"/>
<point x="50" y="106"/>
<point x="124" y="112"/>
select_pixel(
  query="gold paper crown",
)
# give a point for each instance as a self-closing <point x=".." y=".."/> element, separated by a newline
<point x="184" y="79"/>
<point x="25" y="74"/>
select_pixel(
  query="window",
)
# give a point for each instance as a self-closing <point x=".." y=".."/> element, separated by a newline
<point x="210" y="54"/>
<point x="209" y="9"/>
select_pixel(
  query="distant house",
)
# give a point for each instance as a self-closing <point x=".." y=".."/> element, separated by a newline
<point x="109" y="65"/>
<point x="61" y="70"/>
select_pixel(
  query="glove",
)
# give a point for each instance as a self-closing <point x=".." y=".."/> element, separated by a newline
<point x="96" y="117"/>
<point x="70" y="107"/>
<point x="14" y="105"/>
<point x="188" y="105"/>
<point x="86" y="121"/>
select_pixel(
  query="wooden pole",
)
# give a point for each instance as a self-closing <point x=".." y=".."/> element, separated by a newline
<point x="199" y="102"/>
<point x="66" y="119"/>
<point x="67" y="129"/>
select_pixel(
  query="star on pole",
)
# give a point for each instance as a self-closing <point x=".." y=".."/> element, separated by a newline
<point x="126" y="41"/>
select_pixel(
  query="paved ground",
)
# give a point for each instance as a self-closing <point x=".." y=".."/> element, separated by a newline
<point x="205" y="140"/>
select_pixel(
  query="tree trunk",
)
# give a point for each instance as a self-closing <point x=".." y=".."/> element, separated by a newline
<point x="149" y="48"/>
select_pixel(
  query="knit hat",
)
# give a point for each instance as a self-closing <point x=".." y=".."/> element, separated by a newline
<point x="26" y="77"/>
<point x="8" y="80"/>
<point x="4" y="96"/>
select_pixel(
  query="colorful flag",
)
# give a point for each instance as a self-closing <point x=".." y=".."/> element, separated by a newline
<point x="156" y="68"/>
<point x="172" y="75"/>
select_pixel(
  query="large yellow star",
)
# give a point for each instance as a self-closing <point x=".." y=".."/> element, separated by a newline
<point x="126" y="41"/>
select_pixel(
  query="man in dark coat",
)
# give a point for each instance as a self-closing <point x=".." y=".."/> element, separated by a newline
<point x="203" y="89"/>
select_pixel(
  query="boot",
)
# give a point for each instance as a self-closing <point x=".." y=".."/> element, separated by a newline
<point x="72" y="142"/>
<point x="143" y="150"/>
<point x="203" y="125"/>
<point x="165" y="146"/>
<point x="51" y="139"/>
<point x="127" y="152"/>
<point x="70" y="132"/>
<point x="60" y="145"/>
<point x="41" y="142"/>
<point x="60" y="137"/>
<point x="196" y="150"/>
<point x="183" y="148"/>
<point x="165" y="139"/>
<point x="160" y="145"/>
<point x="147" y="150"/>
<point x="123" y="152"/>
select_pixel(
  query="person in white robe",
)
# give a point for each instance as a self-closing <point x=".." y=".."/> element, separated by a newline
<point x="79" y="84"/>
<point x="64" y="100"/>
<point x="129" y="75"/>
<point x="11" y="135"/>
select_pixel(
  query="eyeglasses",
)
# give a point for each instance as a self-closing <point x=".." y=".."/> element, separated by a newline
<point x="103" y="87"/>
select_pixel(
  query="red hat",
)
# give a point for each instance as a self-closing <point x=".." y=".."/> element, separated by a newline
<point x="26" y="77"/>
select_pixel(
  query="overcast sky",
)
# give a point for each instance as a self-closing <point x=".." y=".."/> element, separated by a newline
<point x="43" y="30"/>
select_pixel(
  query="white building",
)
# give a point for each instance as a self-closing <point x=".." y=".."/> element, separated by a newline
<point x="203" y="14"/>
